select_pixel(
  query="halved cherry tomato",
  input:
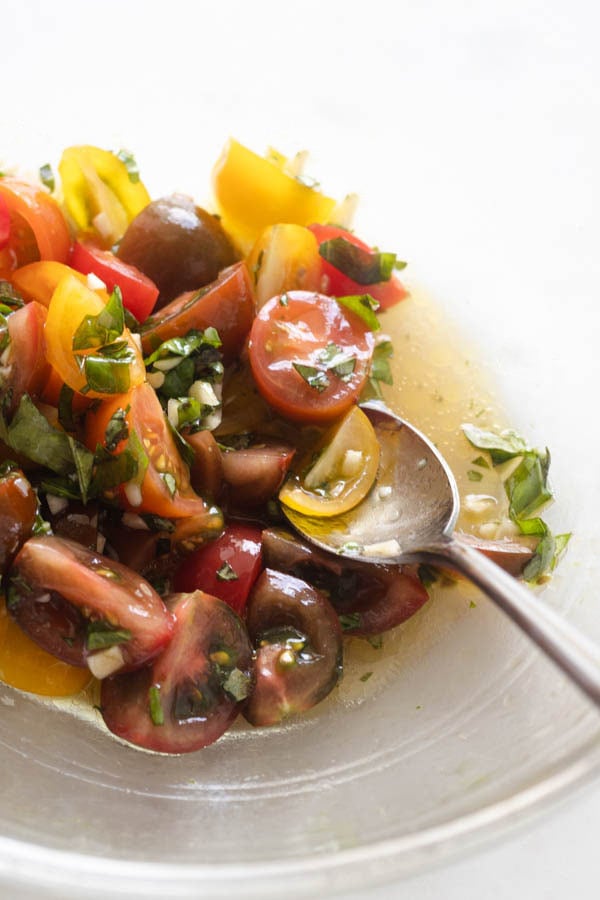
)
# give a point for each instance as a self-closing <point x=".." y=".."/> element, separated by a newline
<point x="72" y="302"/>
<point x="227" y="304"/>
<point x="310" y="357"/>
<point x="18" y="509"/>
<point x="4" y="223"/>
<point x="336" y="283"/>
<point x="27" y="667"/>
<point x="193" y="692"/>
<point x="226" y="568"/>
<point x="162" y="485"/>
<point x="103" y="604"/>
<point x="38" y="229"/>
<point x="138" y="291"/>
<point x="284" y="258"/>
<point x="25" y="366"/>
<point x="38" y="280"/>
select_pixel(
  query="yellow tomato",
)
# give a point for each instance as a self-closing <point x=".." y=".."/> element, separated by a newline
<point x="27" y="667"/>
<point x="253" y="192"/>
<point x="343" y="472"/>
<point x="72" y="302"/>
<point x="39" y="280"/>
<point x="284" y="258"/>
<point x="99" y="193"/>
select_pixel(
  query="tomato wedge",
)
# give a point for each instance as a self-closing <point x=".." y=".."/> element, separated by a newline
<point x="139" y="292"/>
<point x="338" y="284"/>
<point x="227" y="304"/>
<point x="162" y="483"/>
<point x="310" y="358"/>
<point x="193" y="692"/>
<point x="25" y="370"/>
<point x="226" y="568"/>
<point x="18" y="509"/>
<point x="38" y="229"/>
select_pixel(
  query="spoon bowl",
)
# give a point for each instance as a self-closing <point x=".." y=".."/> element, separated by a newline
<point x="409" y="517"/>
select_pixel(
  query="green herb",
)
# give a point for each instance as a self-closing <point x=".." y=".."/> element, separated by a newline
<point x="107" y="376"/>
<point x="98" y="331"/>
<point x="256" y="267"/>
<point x="156" y="711"/>
<point x="47" y="177"/>
<point x="474" y="475"/>
<point x="65" y="408"/>
<point x="111" y="471"/>
<point x="363" y="266"/>
<point x="10" y="299"/>
<point x="117" y="429"/>
<point x="501" y="447"/>
<point x="526" y="487"/>
<point x="376" y="641"/>
<point x="101" y="635"/>
<point x="170" y="483"/>
<point x="130" y="164"/>
<point x="84" y="463"/>
<point x="364" y="306"/>
<point x="428" y="575"/>
<point x="472" y="604"/>
<point x="349" y="621"/>
<point x="31" y="435"/>
<point x="315" y="378"/>
<point x="481" y="461"/>
<point x="237" y="684"/>
<point x="366" y="676"/>
<point x="226" y="573"/>
<point x="284" y="300"/>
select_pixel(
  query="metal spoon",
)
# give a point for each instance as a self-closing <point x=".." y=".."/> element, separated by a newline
<point x="409" y="517"/>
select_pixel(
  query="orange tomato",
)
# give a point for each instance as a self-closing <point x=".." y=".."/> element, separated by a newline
<point x="38" y="229"/>
<point x="39" y="280"/>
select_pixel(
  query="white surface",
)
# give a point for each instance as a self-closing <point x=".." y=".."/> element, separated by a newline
<point x="429" y="100"/>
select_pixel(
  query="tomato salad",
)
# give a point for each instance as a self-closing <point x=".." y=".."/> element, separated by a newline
<point x="169" y="378"/>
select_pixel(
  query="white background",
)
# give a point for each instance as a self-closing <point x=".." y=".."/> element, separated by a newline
<point x="462" y="125"/>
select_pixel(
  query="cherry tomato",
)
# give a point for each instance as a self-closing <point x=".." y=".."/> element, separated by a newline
<point x="38" y="229"/>
<point x="72" y="302"/>
<point x="227" y="304"/>
<point x="298" y="640"/>
<point x="226" y="567"/>
<point x="138" y="291"/>
<point x="25" y="367"/>
<point x="192" y="692"/>
<point x="18" y="509"/>
<point x="284" y="258"/>
<point x="310" y="358"/>
<point x="27" y="667"/>
<point x="336" y="283"/>
<point x="4" y="223"/>
<point x="38" y="280"/>
<point x="162" y="485"/>
<point x="254" y="475"/>
<point x="76" y="604"/>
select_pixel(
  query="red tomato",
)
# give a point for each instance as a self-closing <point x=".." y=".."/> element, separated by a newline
<point x="227" y="304"/>
<point x="310" y="358"/>
<point x="38" y="229"/>
<point x="138" y="291"/>
<point x="4" y="222"/>
<point x="387" y="293"/>
<point x="25" y="368"/>
<point x="165" y="486"/>
<point x="226" y="568"/>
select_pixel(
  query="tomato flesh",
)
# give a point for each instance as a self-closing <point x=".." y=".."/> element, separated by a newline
<point x="26" y="370"/>
<point x="184" y="701"/>
<point x="138" y="291"/>
<point x="226" y="567"/>
<point x="38" y="229"/>
<point x="301" y="336"/>
<point x="18" y="509"/>
<point x="4" y="223"/>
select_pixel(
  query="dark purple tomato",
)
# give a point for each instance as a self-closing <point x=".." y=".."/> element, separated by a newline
<point x="255" y="474"/>
<point x="193" y="691"/>
<point x="79" y="605"/>
<point x="178" y="245"/>
<point x="298" y="643"/>
<point x="18" y="509"/>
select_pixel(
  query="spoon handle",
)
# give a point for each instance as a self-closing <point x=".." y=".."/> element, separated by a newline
<point x="578" y="657"/>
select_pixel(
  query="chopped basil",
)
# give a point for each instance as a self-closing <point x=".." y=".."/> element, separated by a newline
<point x="156" y="711"/>
<point x="47" y="177"/>
<point x="101" y="635"/>
<point x="130" y="164"/>
<point x="105" y="375"/>
<point x="98" y="331"/>
<point x="364" y="306"/>
<point x="65" y="408"/>
<point x="474" y="475"/>
<point x="362" y="266"/>
<point x="158" y="523"/>
<point x="10" y="299"/>
<point x="315" y="378"/>
<point x="84" y="463"/>
<point x="501" y="447"/>
<point x="117" y="430"/>
<point x="237" y="684"/>
<point x="111" y="471"/>
<point x="170" y="483"/>
<point x="349" y="621"/>
<point x="481" y="461"/>
<point x="380" y="372"/>
<point x="366" y="676"/>
<point x="31" y="435"/>
<point x="226" y="573"/>
<point x="284" y="300"/>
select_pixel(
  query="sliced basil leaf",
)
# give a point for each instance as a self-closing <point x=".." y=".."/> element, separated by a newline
<point x="47" y="177"/>
<point x="226" y="573"/>
<point x="315" y="378"/>
<point x="105" y="375"/>
<point x="31" y="435"/>
<point x="101" y="635"/>
<point x="9" y="297"/>
<point x="362" y="305"/>
<point x="128" y="160"/>
<point x="170" y="483"/>
<point x="97" y="331"/>
<point x="117" y="430"/>
<point x="474" y="475"/>
<point x="349" y="620"/>
<point x="541" y="561"/>
<point x="156" y="711"/>
<point x="185" y="451"/>
<point x="84" y="463"/>
<point x="111" y="471"/>
<point x="526" y="487"/>
<point x="237" y="684"/>
<point x="501" y="447"/>
<point x="65" y="408"/>
<point x="362" y="266"/>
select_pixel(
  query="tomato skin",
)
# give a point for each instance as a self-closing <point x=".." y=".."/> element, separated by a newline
<point x="91" y="587"/>
<point x="138" y="291"/>
<point x="30" y="204"/>
<point x="334" y="282"/>
<point x="298" y="331"/>
<point x="187" y="678"/>
<point x="38" y="280"/>
<point x="26" y="370"/>
<point x="18" y="509"/>
<point x="227" y="304"/>
<point x="145" y="417"/>
<point x="4" y="223"/>
<point x="240" y="547"/>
